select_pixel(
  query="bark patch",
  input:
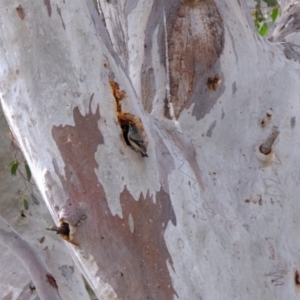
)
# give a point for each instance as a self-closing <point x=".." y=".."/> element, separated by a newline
<point x="297" y="278"/>
<point x="148" y="254"/>
<point x="48" y="5"/>
<point x="130" y="252"/>
<point x="196" y="41"/>
<point x="8" y="296"/>
<point x="62" y="20"/>
<point x="211" y="128"/>
<point x="20" y="12"/>
<point x="51" y="281"/>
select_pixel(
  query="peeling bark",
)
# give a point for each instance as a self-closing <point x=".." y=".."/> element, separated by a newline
<point x="195" y="43"/>
<point x="144" y="248"/>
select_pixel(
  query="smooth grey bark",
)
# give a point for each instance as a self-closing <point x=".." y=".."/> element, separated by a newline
<point x="43" y="280"/>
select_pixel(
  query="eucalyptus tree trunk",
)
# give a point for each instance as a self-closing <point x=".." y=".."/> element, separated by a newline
<point x="212" y="213"/>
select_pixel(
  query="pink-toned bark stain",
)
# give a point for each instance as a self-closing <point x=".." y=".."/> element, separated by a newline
<point x="133" y="263"/>
<point x="195" y="43"/>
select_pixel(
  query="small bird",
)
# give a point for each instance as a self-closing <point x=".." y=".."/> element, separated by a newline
<point x="136" y="141"/>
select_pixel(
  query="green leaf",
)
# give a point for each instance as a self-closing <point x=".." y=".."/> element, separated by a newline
<point x="28" y="172"/>
<point x="256" y="24"/>
<point x="271" y="2"/>
<point x="25" y="203"/>
<point x="264" y="29"/>
<point x="13" y="167"/>
<point x="274" y="14"/>
<point x="12" y="163"/>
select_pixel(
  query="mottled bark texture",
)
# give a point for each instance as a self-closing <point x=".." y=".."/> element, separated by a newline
<point x="195" y="43"/>
<point x="133" y="261"/>
<point x="129" y="248"/>
<point x="191" y="40"/>
<point x="201" y="217"/>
